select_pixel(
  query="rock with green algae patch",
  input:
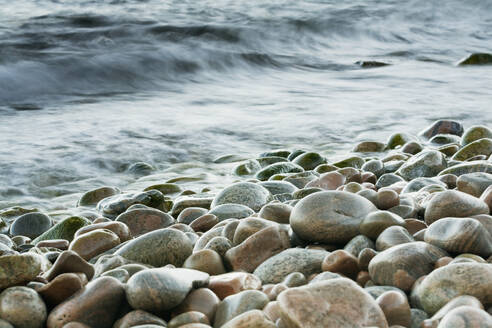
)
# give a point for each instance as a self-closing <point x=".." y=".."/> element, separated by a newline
<point x="474" y="133"/>
<point x="468" y="167"/>
<point x="64" y="229"/>
<point x="309" y="160"/>
<point x="478" y="147"/>
<point x="354" y="161"/>
<point x="277" y="168"/>
<point x="94" y="196"/>
<point x="476" y="59"/>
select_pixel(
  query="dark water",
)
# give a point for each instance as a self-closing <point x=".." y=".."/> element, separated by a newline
<point x="89" y="87"/>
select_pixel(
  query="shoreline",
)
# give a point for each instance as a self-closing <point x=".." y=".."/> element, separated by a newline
<point x="396" y="233"/>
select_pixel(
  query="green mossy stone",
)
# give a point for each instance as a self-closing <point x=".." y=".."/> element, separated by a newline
<point x="248" y="168"/>
<point x="398" y="139"/>
<point x="476" y="59"/>
<point x="265" y="161"/>
<point x="277" y="168"/>
<point x="294" y="154"/>
<point x="64" y="229"/>
<point x="165" y="188"/>
<point x="92" y="197"/>
<point x="325" y="168"/>
<point x="354" y="161"/>
<point x="280" y="153"/>
<point x="369" y="147"/>
<point x="478" y="147"/>
<point x="445" y="139"/>
<point x="309" y="161"/>
<point x="474" y="133"/>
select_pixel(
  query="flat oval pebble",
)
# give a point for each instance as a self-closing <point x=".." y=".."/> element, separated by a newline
<point x="330" y="216"/>
<point x="161" y="289"/>
<point x="141" y="221"/>
<point x="202" y="300"/>
<point x="30" y="225"/>
<point x="244" y="193"/>
<point x="392" y="236"/>
<point x="228" y="211"/>
<point x="158" y="248"/>
<point x="236" y="304"/>
<point x="400" y="266"/>
<point x="94" y="196"/>
<point x="94" y="243"/>
<point x="376" y="222"/>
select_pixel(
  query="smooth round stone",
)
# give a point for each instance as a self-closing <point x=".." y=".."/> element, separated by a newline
<point x="228" y="211"/>
<point x="353" y="161"/>
<point x="277" y="168"/>
<point x="474" y="133"/>
<point x="96" y="305"/>
<point x="62" y="287"/>
<point x="94" y="243"/>
<point x="247" y="168"/>
<point x="424" y="164"/>
<point x="376" y="222"/>
<point x="119" y="228"/>
<point x="250" y="319"/>
<point x="165" y="188"/>
<point x="234" y="305"/>
<point x="248" y="227"/>
<point x="22" y="307"/>
<point x="328" y="181"/>
<point x="453" y="203"/>
<point x="112" y="206"/>
<point x="205" y="260"/>
<point x="21" y="268"/>
<point x="158" y="248"/>
<point x="442" y="127"/>
<point x="447" y="282"/>
<point x="294" y="279"/>
<point x="398" y="139"/>
<point x="376" y="291"/>
<point x="393" y="166"/>
<point x="396" y="308"/>
<point x="141" y="221"/>
<point x="309" y="161"/>
<point x="244" y="193"/>
<point x="30" y="225"/>
<point x="189" y="214"/>
<point x="92" y="197"/>
<point x="276" y="212"/>
<point x="466" y="317"/>
<point x="478" y="147"/>
<point x="460" y="235"/>
<point x="369" y="178"/>
<point x="417" y="317"/>
<point x="374" y="166"/>
<point x="445" y="139"/>
<point x="388" y="179"/>
<point x="64" y="229"/>
<point x="357" y="244"/>
<point x="217" y="231"/>
<point x="331" y="303"/>
<point x="413" y="226"/>
<point x="276" y="268"/>
<point x="369" y="147"/>
<point x="120" y="274"/>
<point x="330" y="216"/>
<point x="161" y="289"/>
<point x="232" y="283"/>
<point x="204" y="223"/>
<point x="341" y="261"/>
<point x="419" y="183"/>
<point x="69" y="261"/>
<point x="392" y="236"/>
<point x="400" y="266"/>
<point x="186" y="318"/>
<point x="279" y="187"/>
<point x="474" y="183"/>
<point x="138" y="317"/>
<point x="387" y="198"/>
<point x="201" y="300"/>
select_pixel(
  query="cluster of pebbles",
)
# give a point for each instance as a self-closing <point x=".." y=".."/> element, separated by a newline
<point x="397" y="234"/>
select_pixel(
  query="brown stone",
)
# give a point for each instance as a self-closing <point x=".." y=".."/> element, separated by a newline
<point x="443" y="261"/>
<point x="247" y="227"/>
<point x="95" y="305"/>
<point x="362" y="278"/>
<point x="276" y="212"/>
<point x="341" y="261"/>
<point x="232" y="283"/>
<point x="392" y="236"/>
<point x="204" y="222"/>
<point x="205" y="260"/>
<point x="118" y="228"/>
<point x="201" y="300"/>
<point x="21" y="268"/>
<point x="62" y="287"/>
<point x="257" y="248"/>
<point x="336" y="302"/>
<point x="328" y="181"/>
<point x="191" y="213"/>
<point x="272" y="311"/>
<point x="61" y="244"/>
<point x="395" y="307"/>
<point x="250" y="319"/>
<point x="365" y="256"/>
<point x="413" y="225"/>
<point x="442" y="127"/>
<point x="94" y="243"/>
<point x="138" y="317"/>
<point x="387" y="198"/>
<point x="239" y="303"/>
<point x="141" y="221"/>
<point x="376" y="222"/>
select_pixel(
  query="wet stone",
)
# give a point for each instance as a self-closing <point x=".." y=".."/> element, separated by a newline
<point x="277" y="168"/>
<point x="113" y="206"/>
<point x="21" y="268"/>
<point x="392" y="236"/>
<point x="245" y="193"/>
<point x="141" y="221"/>
<point x="474" y="133"/>
<point x="94" y="243"/>
<point x="309" y="160"/>
<point x="234" y="305"/>
<point x="22" y="307"/>
<point x="94" y="196"/>
<point x="138" y="317"/>
<point x="477" y="147"/>
<point x="442" y="127"/>
<point x="67" y="262"/>
<point x="201" y="300"/>
<point x="424" y="164"/>
<point x="357" y="244"/>
<point x="30" y="225"/>
<point x="228" y="211"/>
<point x="376" y="222"/>
<point x="64" y="229"/>
<point x="62" y="287"/>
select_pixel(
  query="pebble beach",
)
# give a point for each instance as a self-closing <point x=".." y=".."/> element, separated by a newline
<point x="397" y="233"/>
